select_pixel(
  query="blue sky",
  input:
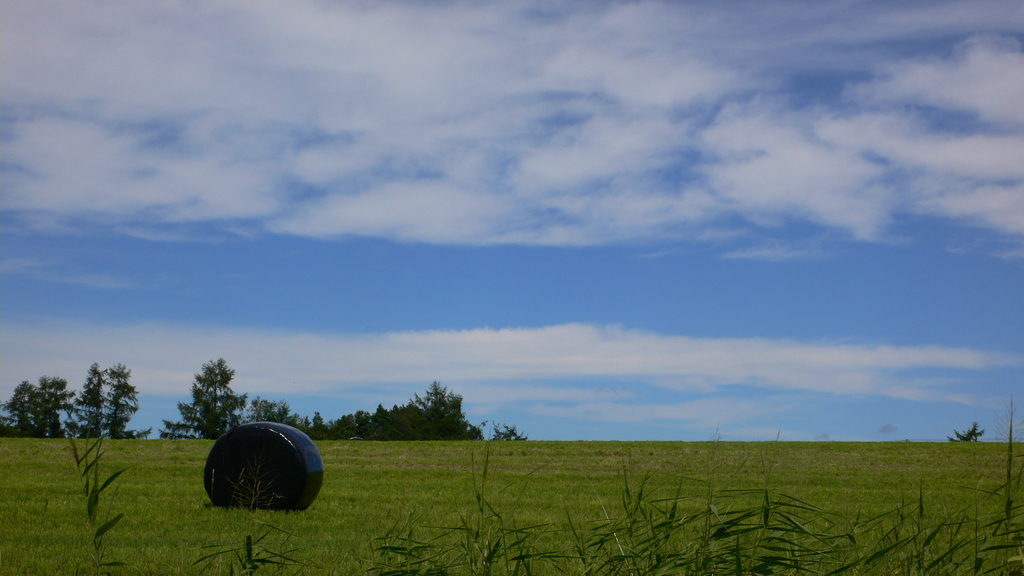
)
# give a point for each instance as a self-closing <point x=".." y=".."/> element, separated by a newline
<point x="643" y="220"/>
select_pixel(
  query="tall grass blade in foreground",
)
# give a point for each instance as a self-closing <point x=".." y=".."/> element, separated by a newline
<point x="725" y="531"/>
<point x="253" y="554"/>
<point x="252" y="490"/>
<point x="88" y="464"/>
<point x="485" y="542"/>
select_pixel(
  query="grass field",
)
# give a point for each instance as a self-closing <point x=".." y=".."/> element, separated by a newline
<point x="370" y="488"/>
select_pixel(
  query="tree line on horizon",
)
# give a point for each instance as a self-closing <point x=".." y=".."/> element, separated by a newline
<point x="103" y="408"/>
<point x="108" y="401"/>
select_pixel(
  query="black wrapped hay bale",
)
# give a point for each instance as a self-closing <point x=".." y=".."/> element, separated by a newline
<point x="264" y="465"/>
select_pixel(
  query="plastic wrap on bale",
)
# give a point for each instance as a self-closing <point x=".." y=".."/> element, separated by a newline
<point x="264" y="465"/>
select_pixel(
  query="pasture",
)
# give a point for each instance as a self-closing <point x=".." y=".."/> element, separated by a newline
<point x="561" y="489"/>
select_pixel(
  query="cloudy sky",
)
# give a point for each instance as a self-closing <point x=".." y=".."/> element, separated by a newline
<point x="594" y="220"/>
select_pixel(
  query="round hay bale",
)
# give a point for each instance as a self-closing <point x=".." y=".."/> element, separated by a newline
<point x="264" y="465"/>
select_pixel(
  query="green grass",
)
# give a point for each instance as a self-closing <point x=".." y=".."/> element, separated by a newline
<point x="370" y="488"/>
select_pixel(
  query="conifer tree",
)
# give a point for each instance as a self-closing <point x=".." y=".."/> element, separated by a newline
<point x="54" y="398"/>
<point x="122" y="402"/>
<point x="88" y="414"/>
<point x="22" y="408"/>
<point x="215" y="407"/>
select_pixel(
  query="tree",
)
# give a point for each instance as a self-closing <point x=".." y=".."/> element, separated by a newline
<point x="506" y="432"/>
<point x="261" y="410"/>
<point x="437" y="415"/>
<point x="35" y="410"/>
<point x="121" y="403"/>
<point x="54" y="398"/>
<point x="443" y="416"/>
<point x="215" y="407"/>
<point x="87" y="420"/>
<point x="379" y="425"/>
<point x="404" y="422"/>
<point x="22" y="408"/>
<point x="106" y="405"/>
<point x="317" y="430"/>
<point x="7" y="430"/>
<point x="971" y="435"/>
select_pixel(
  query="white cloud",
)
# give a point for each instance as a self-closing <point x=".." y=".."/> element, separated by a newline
<point x="972" y="178"/>
<point x="77" y="167"/>
<point x="430" y="211"/>
<point x="63" y="274"/>
<point x="543" y="366"/>
<point x="485" y="124"/>
<point x="776" y="251"/>
<point x="771" y="167"/>
<point x="709" y="413"/>
<point x="984" y="76"/>
<point x="994" y="206"/>
<point x="600" y="148"/>
<point x="902" y="139"/>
